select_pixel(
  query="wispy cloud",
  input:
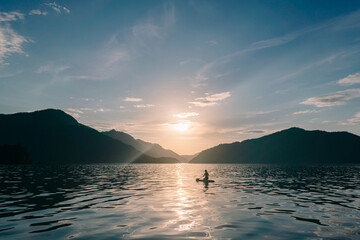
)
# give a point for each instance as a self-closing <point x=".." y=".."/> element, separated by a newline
<point x="333" y="99"/>
<point x="54" y="73"/>
<point x="75" y="110"/>
<point x="10" y="41"/>
<point x="350" y="79"/>
<point x="201" y="75"/>
<point x="83" y="111"/>
<point x="339" y="23"/>
<point x="212" y="43"/>
<point x="210" y="100"/>
<point x="352" y="121"/>
<point x="38" y="12"/>
<point x="247" y="130"/>
<point x="186" y="114"/>
<point x="50" y="68"/>
<point x="101" y="110"/>
<point x="169" y="16"/>
<point x="146" y="30"/>
<point x="326" y="60"/>
<point x="11" y="16"/>
<point x="132" y="99"/>
<point x="76" y="113"/>
<point x="57" y="8"/>
<point x="306" y="112"/>
<point x="256" y="131"/>
<point x="351" y="20"/>
<point x="81" y="77"/>
<point x="143" y="105"/>
<point x="115" y="56"/>
<point x="189" y="60"/>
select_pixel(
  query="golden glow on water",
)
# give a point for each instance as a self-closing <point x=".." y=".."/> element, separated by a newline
<point x="163" y="201"/>
<point x="184" y="203"/>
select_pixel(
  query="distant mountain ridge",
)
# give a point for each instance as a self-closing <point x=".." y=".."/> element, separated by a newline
<point x="52" y="136"/>
<point x="151" y="149"/>
<point x="290" y="146"/>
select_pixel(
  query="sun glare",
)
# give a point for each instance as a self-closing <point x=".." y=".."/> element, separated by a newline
<point x="181" y="127"/>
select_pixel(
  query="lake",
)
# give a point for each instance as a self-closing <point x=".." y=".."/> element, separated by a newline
<point x="160" y="201"/>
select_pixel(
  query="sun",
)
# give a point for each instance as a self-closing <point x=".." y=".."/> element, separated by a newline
<point x="181" y="127"/>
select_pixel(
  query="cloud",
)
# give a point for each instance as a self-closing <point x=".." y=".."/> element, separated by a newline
<point x="184" y="62"/>
<point x="57" y="8"/>
<point x="333" y="99"/>
<point x="81" y="77"/>
<point x="146" y="30"/>
<point x="353" y="121"/>
<point x="169" y="16"/>
<point x="116" y="56"/>
<point x="74" y="110"/>
<point x="306" y="112"/>
<point x="256" y="131"/>
<point x="149" y="30"/>
<point x="309" y="66"/>
<point x="218" y="96"/>
<point x="259" y="45"/>
<point x="38" y="12"/>
<point x="189" y="60"/>
<point x="101" y="110"/>
<point x="50" y="68"/>
<point x="143" y="105"/>
<point x="132" y="99"/>
<point x="210" y="100"/>
<point x="11" y="16"/>
<point x="212" y="43"/>
<point x="10" y="41"/>
<point x="343" y="22"/>
<point x="186" y="114"/>
<point x="349" y="21"/>
<point x="350" y="80"/>
<point x="76" y="113"/>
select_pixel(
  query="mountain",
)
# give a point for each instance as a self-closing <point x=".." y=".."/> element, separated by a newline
<point x="14" y="154"/>
<point x="52" y="136"/>
<point x="151" y="149"/>
<point x="290" y="146"/>
<point x="188" y="158"/>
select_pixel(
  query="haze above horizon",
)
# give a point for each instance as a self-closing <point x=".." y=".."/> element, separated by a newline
<point x="185" y="74"/>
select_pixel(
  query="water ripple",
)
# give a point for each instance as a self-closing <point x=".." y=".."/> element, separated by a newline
<point x="164" y="201"/>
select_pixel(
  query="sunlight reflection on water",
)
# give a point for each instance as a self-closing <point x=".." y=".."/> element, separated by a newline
<point x="164" y="201"/>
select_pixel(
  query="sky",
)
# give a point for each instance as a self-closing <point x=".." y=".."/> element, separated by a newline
<point x="188" y="75"/>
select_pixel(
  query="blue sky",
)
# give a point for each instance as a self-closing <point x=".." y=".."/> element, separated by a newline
<point x="185" y="74"/>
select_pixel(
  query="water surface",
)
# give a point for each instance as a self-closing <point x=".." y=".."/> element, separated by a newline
<point x="163" y="201"/>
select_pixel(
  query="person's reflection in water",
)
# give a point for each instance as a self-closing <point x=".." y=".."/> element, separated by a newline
<point x="206" y="186"/>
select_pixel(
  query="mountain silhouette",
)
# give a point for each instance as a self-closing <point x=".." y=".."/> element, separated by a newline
<point x="188" y="158"/>
<point x="290" y="146"/>
<point x="14" y="154"/>
<point x="54" y="137"/>
<point x="151" y="149"/>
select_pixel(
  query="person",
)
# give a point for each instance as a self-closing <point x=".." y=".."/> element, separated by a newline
<point x="206" y="176"/>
